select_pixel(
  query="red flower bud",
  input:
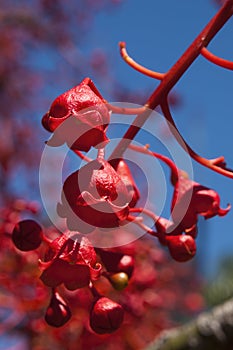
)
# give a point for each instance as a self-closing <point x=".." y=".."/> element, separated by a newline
<point x="26" y="235"/>
<point x="123" y="171"/>
<point x="96" y="195"/>
<point x="181" y="247"/>
<point x="106" y="316"/>
<point x="58" y="312"/>
<point x="88" y="117"/>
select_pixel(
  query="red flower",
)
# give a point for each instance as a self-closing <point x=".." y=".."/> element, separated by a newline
<point x="181" y="247"/>
<point x="88" y="118"/>
<point x="69" y="262"/>
<point x="106" y="316"/>
<point x="191" y="199"/>
<point x="96" y="195"/>
<point x="58" y="312"/>
<point x="26" y="235"/>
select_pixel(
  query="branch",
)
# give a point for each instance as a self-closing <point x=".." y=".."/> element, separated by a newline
<point x="218" y="164"/>
<point x="174" y="74"/>
<point x="137" y="66"/>
<point x="211" y="330"/>
<point x="216" y="60"/>
<point x="166" y="160"/>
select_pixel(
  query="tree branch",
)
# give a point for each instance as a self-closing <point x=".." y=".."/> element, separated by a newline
<point x="212" y="330"/>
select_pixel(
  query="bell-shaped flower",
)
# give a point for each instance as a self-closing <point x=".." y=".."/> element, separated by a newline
<point x="86" y="118"/>
<point x="106" y="316"/>
<point x="191" y="199"/>
<point x="70" y="262"/>
<point x="94" y="196"/>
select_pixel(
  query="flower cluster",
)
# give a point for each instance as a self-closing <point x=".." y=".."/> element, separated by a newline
<point x="103" y="195"/>
<point x="71" y="260"/>
<point x="153" y="299"/>
<point x="190" y="200"/>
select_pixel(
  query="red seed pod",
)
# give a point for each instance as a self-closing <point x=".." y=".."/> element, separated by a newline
<point x="96" y="195"/>
<point x="182" y="247"/>
<point x="26" y="235"/>
<point x="88" y="117"/>
<point x="58" y="312"/>
<point x="106" y="316"/>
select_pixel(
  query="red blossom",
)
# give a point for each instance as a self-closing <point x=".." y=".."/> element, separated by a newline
<point x="96" y="195"/>
<point x="58" y="312"/>
<point x="69" y="262"/>
<point x="27" y="235"/>
<point x="191" y="199"/>
<point x="88" y="118"/>
<point x="106" y="316"/>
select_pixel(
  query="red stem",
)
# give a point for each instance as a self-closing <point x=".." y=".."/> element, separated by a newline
<point x="216" y="60"/>
<point x="81" y="155"/>
<point x="216" y="165"/>
<point x="145" y="211"/>
<point x="166" y="160"/>
<point x="137" y="66"/>
<point x="144" y="227"/>
<point x="94" y="291"/>
<point x="125" y="110"/>
<point x="175" y="73"/>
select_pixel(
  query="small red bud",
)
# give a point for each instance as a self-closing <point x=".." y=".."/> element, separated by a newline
<point x="58" y="312"/>
<point x="106" y="316"/>
<point x="26" y="235"/>
<point x="181" y="247"/>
